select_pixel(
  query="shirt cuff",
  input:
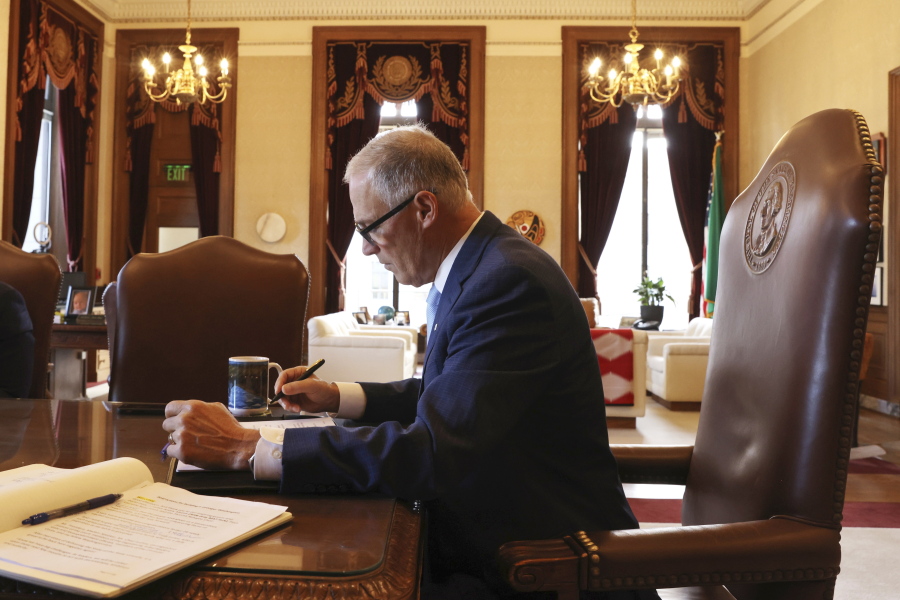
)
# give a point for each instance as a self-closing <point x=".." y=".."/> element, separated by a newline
<point x="267" y="459"/>
<point x="353" y="401"/>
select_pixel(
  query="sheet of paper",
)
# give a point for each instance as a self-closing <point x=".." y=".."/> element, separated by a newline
<point x="276" y="424"/>
<point x="146" y="531"/>
<point x="38" y="488"/>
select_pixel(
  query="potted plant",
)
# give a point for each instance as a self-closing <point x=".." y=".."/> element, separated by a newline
<point x="651" y="294"/>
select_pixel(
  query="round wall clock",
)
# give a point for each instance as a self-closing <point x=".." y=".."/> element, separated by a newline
<point x="271" y="227"/>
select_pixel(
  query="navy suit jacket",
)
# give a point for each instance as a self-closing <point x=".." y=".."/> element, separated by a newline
<point x="505" y="436"/>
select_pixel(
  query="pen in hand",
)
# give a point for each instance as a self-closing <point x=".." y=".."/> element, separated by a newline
<point x="306" y="374"/>
<point x="71" y="510"/>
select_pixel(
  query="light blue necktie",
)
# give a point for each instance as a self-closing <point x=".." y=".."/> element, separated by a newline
<point x="434" y="298"/>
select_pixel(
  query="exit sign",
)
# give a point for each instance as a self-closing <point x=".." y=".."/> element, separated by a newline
<point x="178" y="172"/>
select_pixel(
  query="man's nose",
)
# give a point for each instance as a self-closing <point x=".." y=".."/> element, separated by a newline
<point x="368" y="248"/>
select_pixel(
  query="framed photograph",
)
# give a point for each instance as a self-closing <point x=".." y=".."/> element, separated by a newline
<point x="379" y="319"/>
<point x="80" y="301"/>
<point x="879" y="143"/>
<point x="402" y="317"/>
<point x="365" y="311"/>
<point x="361" y="318"/>
<point x="877" y="283"/>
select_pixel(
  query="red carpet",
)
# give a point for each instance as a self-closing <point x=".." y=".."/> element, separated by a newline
<point x="856" y="514"/>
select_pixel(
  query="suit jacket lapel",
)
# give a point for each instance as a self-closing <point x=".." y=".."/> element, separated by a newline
<point x="465" y="264"/>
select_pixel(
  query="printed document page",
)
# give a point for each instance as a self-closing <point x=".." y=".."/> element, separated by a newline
<point x="38" y="488"/>
<point x="149" y="532"/>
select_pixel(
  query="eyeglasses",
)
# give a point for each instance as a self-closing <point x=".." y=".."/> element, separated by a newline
<point x="364" y="231"/>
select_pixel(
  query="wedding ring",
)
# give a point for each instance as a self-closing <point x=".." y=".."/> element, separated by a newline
<point x="171" y="439"/>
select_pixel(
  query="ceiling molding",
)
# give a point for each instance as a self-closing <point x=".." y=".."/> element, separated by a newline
<point x="138" y="11"/>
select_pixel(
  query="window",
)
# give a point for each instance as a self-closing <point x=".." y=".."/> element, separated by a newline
<point x="645" y="236"/>
<point x="367" y="282"/>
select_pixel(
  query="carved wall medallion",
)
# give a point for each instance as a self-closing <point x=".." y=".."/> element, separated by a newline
<point x="769" y="217"/>
<point x="527" y="223"/>
<point x="397" y="77"/>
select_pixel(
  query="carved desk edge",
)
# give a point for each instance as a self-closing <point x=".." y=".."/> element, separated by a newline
<point x="396" y="579"/>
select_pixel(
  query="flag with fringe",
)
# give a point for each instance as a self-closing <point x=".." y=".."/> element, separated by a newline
<point x="715" y="216"/>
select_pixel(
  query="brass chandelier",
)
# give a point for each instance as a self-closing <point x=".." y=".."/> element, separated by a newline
<point x="635" y="85"/>
<point x="185" y="85"/>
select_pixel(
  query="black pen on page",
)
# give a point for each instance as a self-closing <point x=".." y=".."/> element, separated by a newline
<point x="312" y="369"/>
<point x="71" y="510"/>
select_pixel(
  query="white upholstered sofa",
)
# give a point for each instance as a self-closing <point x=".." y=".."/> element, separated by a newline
<point x="676" y="364"/>
<point x="355" y="352"/>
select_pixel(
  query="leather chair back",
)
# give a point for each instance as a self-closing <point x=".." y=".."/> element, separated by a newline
<point x="796" y="260"/>
<point x="109" y="308"/>
<point x="179" y="315"/>
<point x="37" y="277"/>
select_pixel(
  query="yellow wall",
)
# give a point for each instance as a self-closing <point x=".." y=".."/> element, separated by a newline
<point x="837" y="56"/>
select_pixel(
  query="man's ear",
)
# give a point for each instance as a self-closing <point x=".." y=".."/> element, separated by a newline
<point x="427" y="208"/>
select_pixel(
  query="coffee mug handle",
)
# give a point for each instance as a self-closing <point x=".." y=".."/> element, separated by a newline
<point x="278" y="368"/>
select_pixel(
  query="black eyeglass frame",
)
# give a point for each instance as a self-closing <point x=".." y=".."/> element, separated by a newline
<point x="364" y="231"/>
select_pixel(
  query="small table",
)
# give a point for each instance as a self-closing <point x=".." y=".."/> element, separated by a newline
<point x="71" y="345"/>
<point x="337" y="546"/>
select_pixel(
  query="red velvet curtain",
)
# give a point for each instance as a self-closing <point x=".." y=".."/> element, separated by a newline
<point x="689" y="123"/>
<point x="52" y="44"/>
<point x="205" y="148"/>
<point x="362" y="77"/>
<point x="606" y="149"/>
<point x="73" y="142"/>
<point x="29" y="112"/>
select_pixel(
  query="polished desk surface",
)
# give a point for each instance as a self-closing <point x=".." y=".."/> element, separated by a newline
<point x="336" y="546"/>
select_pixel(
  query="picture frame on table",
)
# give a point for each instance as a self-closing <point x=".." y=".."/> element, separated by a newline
<point x="401" y="317"/>
<point x="877" y="286"/>
<point x="361" y="318"/>
<point x="365" y="310"/>
<point x="379" y="319"/>
<point x="80" y="301"/>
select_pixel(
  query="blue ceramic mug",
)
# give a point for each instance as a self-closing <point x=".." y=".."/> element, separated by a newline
<point x="248" y="385"/>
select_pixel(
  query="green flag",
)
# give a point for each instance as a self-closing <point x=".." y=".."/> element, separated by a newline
<point x="715" y="216"/>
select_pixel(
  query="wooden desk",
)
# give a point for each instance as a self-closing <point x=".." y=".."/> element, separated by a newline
<point x="347" y="546"/>
<point x="72" y="368"/>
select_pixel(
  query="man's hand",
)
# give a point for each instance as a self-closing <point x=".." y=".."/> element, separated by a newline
<point x="312" y="395"/>
<point x="205" y="434"/>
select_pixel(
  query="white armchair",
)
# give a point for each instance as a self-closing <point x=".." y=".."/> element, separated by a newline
<point x="676" y="365"/>
<point x="355" y="352"/>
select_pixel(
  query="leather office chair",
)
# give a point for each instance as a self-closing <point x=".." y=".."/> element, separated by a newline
<point x="37" y="277"/>
<point x="181" y="314"/>
<point x="765" y="479"/>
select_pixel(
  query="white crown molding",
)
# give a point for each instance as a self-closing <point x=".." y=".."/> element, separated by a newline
<point x="138" y="11"/>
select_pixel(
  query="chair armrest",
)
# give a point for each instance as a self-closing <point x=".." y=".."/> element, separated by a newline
<point x="653" y="464"/>
<point x="359" y="341"/>
<point x="656" y="343"/>
<point x="778" y="549"/>
<point x="697" y="349"/>
<point x="403" y="335"/>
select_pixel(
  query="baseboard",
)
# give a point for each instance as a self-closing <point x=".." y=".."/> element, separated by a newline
<point x="676" y="406"/>
<point x="621" y="423"/>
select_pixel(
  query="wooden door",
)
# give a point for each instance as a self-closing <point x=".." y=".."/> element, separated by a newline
<point x="172" y="199"/>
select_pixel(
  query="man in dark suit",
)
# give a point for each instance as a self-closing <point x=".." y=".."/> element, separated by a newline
<point x="16" y="344"/>
<point x="505" y="436"/>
